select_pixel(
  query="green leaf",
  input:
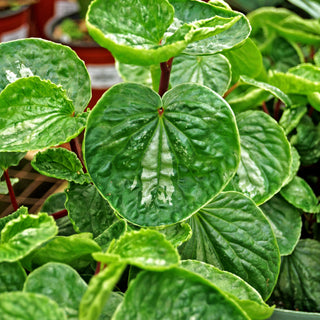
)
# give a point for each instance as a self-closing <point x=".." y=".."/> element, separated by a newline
<point x="237" y="289"/>
<point x="185" y="295"/>
<point x="48" y="60"/>
<point x="245" y="60"/>
<point x="14" y="215"/>
<point x="298" y="284"/>
<point x="295" y="165"/>
<point x="60" y="163"/>
<point x="316" y="58"/>
<point x="74" y="250"/>
<point x="211" y="71"/>
<point x="88" y="211"/>
<point x="267" y="87"/>
<point x="286" y="223"/>
<point x="22" y="235"/>
<point x="228" y="29"/>
<point x="307" y="141"/>
<point x="132" y="73"/>
<point x="12" y="276"/>
<point x="8" y="159"/>
<point x="29" y="306"/>
<point x="265" y="158"/>
<point x="116" y="230"/>
<point x="36" y="114"/>
<point x="149" y="157"/>
<point x="233" y="234"/>
<point x="177" y="233"/>
<point x="4" y="187"/>
<point x="146" y="249"/>
<point x="99" y="290"/>
<point x="300" y="195"/>
<point x="60" y="283"/>
<point x="291" y="118"/>
<point x="310" y="6"/>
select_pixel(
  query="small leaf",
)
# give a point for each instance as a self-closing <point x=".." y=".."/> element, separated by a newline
<point x="88" y="211"/>
<point x="233" y="234"/>
<point x="133" y="73"/>
<point x="300" y="195"/>
<point x="185" y="295"/>
<point x="237" y="289"/>
<point x="286" y="223"/>
<point x="291" y="118"/>
<point x="60" y="163"/>
<point x="146" y="249"/>
<point x="36" y="114"/>
<point x="60" y="283"/>
<point x="177" y="233"/>
<point x="29" y="306"/>
<point x="9" y="159"/>
<point x="12" y="276"/>
<point x="4" y="187"/>
<point x="22" y="235"/>
<point x="310" y="6"/>
<point x="14" y="215"/>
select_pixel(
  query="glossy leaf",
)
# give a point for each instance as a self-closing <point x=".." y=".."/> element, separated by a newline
<point x="177" y="233"/>
<point x="211" y="71"/>
<point x="307" y="141"/>
<point x="12" y="276"/>
<point x="300" y="195"/>
<point x="310" y="6"/>
<point x="291" y="118"/>
<point x="48" y="60"/>
<point x="148" y="157"/>
<point x="14" y="215"/>
<point x="237" y="289"/>
<point x="25" y="233"/>
<point x="233" y="33"/>
<point x="265" y="156"/>
<point x="29" y="306"/>
<point x="134" y="73"/>
<point x="36" y="114"/>
<point x="146" y="249"/>
<point x="286" y="223"/>
<point x="88" y="211"/>
<point x="60" y="283"/>
<point x="99" y="290"/>
<point x="74" y="250"/>
<point x="194" y="298"/>
<point x="60" y="163"/>
<point x="295" y="165"/>
<point x="267" y="87"/>
<point x="298" y="284"/>
<point x="233" y="234"/>
<point x="8" y="159"/>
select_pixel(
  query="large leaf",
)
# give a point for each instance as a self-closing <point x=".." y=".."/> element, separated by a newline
<point x="146" y="249"/>
<point x="184" y="294"/>
<point x="36" y="114"/>
<point x="29" y="306"/>
<point x="298" y="284"/>
<point x="291" y="117"/>
<point x="49" y="61"/>
<point x="60" y="283"/>
<point x="12" y="276"/>
<point x="232" y="234"/>
<point x="246" y="296"/>
<point x="300" y="195"/>
<point x="149" y="157"/>
<point x="25" y="233"/>
<point x="265" y="156"/>
<point x="286" y="223"/>
<point x="8" y="159"/>
<point x="60" y="163"/>
<point x="230" y="35"/>
<point x="88" y="211"/>
<point x="212" y="71"/>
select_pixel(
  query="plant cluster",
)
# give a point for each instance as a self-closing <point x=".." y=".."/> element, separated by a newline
<point x="186" y="200"/>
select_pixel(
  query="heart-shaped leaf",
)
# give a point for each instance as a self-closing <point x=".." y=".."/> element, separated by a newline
<point x="36" y="114"/>
<point x="8" y="159"/>
<point x="48" y="60"/>
<point x="149" y="157"/>
<point x="233" y="234"/>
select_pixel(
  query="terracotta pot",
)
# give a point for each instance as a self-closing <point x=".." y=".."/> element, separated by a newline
<point x="14" y="24"/>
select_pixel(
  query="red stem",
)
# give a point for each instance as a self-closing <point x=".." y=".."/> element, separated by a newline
<point x="76" y="148"/>
<point x="310" y="111"/>
<point x="231" y="89"/>
<point x="11" y="191"/>
<point x="264" y="108"/>
<point x="276" y="111"/>
<point x="60" y="214"/>
<point x="98" y="268"/>
<point x="165" y="76"/>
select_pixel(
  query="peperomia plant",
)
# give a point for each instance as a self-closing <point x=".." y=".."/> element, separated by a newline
<point x="186" y="202"/>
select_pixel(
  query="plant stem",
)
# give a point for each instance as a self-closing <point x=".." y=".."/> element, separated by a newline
<point x="276" y="110"/>
<point x="311" y="109"/>
<point x="60" y="214"/>
<point x="165" y="76"/>
<point x="11" y="191"/>
<point x="76" y="148"/>
<point x="98" y="268"/>
<point x="264" y="108"/>
<point x="231" y="89"/>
